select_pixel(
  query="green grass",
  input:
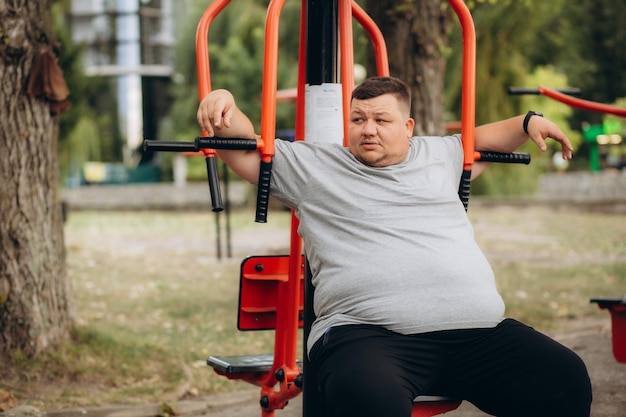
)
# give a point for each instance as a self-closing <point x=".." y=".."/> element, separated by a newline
<point x="548" y="264"/>
<point x="153" y="301"/>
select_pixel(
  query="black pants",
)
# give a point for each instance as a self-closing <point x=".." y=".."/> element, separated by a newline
<point x="510" y="370"/>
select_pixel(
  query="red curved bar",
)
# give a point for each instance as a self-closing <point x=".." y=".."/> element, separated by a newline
<point x="582" y="104"/>
<point x="270" y="79"/>
<point x="202" y="46"/>
<point x="202" y="55"/>
<point x="376" y="36"/>
<point x="346" y="49"/>
<point x="286" y="328"/>
<point x="295" y="245"/>
<point x="468" y="104"/>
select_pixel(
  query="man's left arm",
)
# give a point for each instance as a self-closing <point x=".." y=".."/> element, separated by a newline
<point x="508" y="135"/>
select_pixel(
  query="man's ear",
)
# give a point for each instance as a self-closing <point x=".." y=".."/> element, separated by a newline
<point x="410" y="125"/>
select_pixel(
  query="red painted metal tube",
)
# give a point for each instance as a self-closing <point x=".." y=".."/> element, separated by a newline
<point x="582" y="104"/>
<point x="376" y="36"/>
<point x="468" y="104"/>
<point x="202" y="46"/>
<point x="204" y="86"/>
<point x="346" y="49"/>
<point x="270" y="79"/>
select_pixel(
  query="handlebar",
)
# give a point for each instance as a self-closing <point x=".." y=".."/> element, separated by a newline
<point x="511" y="158"/>
<point x="488" y="156"/>
<point x="204" y="142"/>
<point x="200" y="142"/>
<point x="518" y="91"/>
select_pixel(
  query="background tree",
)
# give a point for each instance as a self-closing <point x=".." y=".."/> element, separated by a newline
<point x="500" y="63"/>
<point x="519" y="43"/>
<point x="584" y="40"/>
<point x="425" y="48"/>
<point x="416" y="34"/>
<point x="35" y="304"/>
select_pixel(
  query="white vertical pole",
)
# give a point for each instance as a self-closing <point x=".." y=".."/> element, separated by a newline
<point x="130" y="106"/>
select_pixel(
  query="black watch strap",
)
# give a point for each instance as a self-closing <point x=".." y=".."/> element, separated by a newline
<point x="530" y="114"/>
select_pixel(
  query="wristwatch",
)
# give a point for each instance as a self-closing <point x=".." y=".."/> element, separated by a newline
<point x="530" y="114"/>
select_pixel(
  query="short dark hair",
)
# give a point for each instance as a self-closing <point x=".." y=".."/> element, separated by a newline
<point x="377" y="86"/>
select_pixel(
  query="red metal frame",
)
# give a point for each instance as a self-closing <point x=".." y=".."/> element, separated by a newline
<point x="378" y="41"/>
<point x="617" y="309"/>
<point x="582" y="104"/>
<point x="202" y="56"/>
<point x="468" y="103"/>
<point x="260" y="291"/>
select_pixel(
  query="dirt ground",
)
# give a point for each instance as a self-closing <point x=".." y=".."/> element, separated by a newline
<point x="590" y="338"/>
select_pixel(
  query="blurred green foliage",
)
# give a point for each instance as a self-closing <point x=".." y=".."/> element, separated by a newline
<point x="519" y="43"/>
<point x="88" y="130"/>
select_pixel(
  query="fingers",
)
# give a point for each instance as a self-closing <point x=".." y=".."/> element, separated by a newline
<point x="204" y="117"/>
<point x="566" y="147"/>
<point x="544" y="129"/>
<point x="540" y="142"/>
<point x="215" y="112"/>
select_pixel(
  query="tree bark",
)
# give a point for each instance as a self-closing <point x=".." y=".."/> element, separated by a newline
<point x="416" y="36"/>
<point x="35" y="304"/>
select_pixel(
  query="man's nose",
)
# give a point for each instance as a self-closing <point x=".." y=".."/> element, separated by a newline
<point x="369" y="128"/>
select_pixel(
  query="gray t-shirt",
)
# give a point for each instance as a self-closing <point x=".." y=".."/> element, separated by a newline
<point x="387" y="246"/>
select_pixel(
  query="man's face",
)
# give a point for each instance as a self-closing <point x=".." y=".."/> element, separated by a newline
<point x="379" y="131"/>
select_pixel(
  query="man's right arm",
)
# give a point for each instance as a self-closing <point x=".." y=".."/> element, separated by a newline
<point x="218" y="115"/>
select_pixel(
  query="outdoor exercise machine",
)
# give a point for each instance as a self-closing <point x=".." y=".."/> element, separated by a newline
<point x="276" y="291"/>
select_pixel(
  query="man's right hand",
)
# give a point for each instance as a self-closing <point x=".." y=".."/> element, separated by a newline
<point x="218" y="115"/>
<point x="216" y="112"/>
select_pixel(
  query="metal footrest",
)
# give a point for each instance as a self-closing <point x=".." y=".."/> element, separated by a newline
<point x="242" y="364"/>
<point x="432" y="398"/>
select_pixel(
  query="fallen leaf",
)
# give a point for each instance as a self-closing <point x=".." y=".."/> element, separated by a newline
<point x="7" y="400"/>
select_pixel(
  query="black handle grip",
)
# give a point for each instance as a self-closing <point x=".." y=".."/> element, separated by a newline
<point x="263" y="192"/>
<point x="169" y="146"/>
<point x="214" y="184"/>
<point x="519" y="91"/>
<point x="464" y="187"/>
<point x="511" y="158"/>
<point x="225" y="143"/>
<point x="200" y="142"/>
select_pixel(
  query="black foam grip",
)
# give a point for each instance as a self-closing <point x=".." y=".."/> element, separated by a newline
<point x="201" y="142"/>
<point x="214" y="184"/>
<point x="518" y="91"/>
<point x="263" y="192"/>
<point x="225" y="143"/>
<point x="464" y="187"/>
<point x="169" y="146"/>
<point x="511" y="158"/>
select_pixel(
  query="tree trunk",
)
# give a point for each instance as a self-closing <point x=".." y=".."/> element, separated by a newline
<point x="416" y="36"/>
<point x="35" y="291"/>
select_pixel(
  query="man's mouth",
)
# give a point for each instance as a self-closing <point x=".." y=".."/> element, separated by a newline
<point x="369" y="144"/>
